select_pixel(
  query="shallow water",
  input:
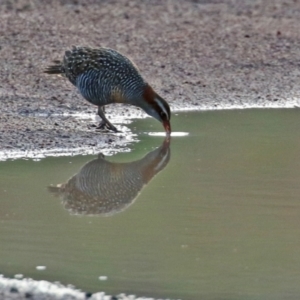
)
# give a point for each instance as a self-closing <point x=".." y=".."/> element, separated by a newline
<point x="213" y="216"/>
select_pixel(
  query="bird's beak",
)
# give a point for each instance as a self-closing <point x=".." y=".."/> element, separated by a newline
<point x="167" y="126"/>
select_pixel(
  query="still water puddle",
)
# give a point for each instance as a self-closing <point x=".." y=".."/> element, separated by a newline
<point x="210" y="215"/>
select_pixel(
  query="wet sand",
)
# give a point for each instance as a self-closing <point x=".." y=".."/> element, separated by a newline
<point x="196" y="54"/>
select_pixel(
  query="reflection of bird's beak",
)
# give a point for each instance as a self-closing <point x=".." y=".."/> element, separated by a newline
<point x="167" y="127"/>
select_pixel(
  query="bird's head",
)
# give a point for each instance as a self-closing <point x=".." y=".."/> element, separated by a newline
<point x="157" y="107"/>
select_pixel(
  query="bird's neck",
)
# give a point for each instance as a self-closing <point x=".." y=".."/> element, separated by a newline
<point x="143" y="98"/>
<point x="149" y="94"/>
<point x="152" y="100"/>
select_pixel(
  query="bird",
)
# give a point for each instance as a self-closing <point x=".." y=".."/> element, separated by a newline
<point x="104" y="76"/>
<point x="103" y="187"/>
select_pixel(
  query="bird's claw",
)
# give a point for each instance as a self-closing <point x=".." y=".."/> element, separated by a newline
<point x="103" y="125"/>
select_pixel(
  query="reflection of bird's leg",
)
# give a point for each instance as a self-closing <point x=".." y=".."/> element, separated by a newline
<point x="104" y="122"/>
<point x="101" y="156"/>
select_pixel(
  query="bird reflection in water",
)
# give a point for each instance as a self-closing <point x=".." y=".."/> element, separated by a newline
<point x="105" y="188"/>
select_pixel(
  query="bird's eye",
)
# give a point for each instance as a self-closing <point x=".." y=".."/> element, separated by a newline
<point x="164" y="116"/>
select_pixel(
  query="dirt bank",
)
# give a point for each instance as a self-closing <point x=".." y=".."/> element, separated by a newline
<point x="197" y="54"/>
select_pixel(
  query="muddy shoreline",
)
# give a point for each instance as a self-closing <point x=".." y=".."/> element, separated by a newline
<point x="196" y="54"/>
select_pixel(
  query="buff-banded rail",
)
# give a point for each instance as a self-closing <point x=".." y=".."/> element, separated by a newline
<point x="104" y="76"/>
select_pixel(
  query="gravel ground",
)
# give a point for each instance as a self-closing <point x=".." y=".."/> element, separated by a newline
<point x="197" y="54"/>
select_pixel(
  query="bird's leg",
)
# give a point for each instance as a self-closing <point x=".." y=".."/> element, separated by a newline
<point x="104" y="122"/>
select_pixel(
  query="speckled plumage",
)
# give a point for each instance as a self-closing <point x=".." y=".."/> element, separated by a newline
<point x="104" y="76"/>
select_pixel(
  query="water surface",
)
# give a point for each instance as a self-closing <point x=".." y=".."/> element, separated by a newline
<point x="215" y="215"/>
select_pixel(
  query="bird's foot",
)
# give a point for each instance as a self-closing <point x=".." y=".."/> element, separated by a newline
<point x="106" y="126"/>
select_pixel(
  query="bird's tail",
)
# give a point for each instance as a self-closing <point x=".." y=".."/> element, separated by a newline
<point x="57" y="68"/>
